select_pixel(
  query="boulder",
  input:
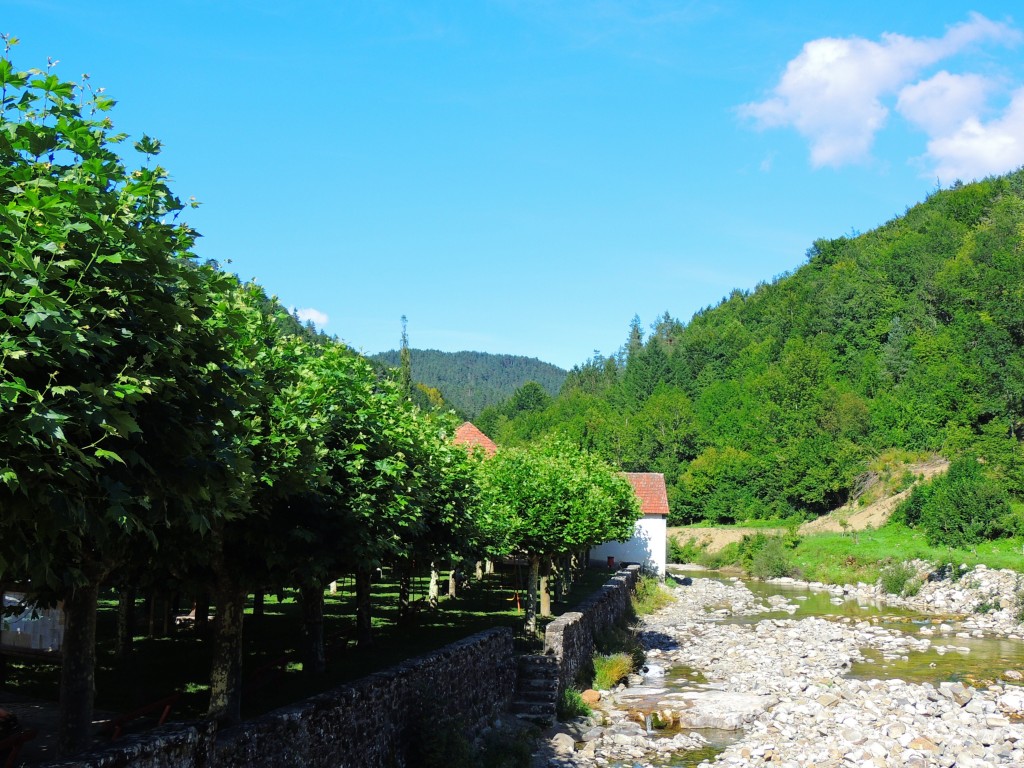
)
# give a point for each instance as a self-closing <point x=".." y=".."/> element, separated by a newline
<point x="722" y="710"/>
<point x="563" y="744"/>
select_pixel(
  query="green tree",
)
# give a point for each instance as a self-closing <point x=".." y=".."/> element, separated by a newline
<point x="106" y="365"/>
<point x="552" y="499"/>
<point x="959" y="509"/>
<point x="529" y="397"/>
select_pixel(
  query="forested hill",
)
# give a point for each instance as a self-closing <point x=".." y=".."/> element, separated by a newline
<point x="471" y="381"/>
<point x="904" y="340"/>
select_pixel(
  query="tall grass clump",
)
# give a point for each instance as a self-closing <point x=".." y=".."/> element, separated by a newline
<point x="572" y="705"/>
<point x="650" y="596"/>
<point x="611" y="669"/>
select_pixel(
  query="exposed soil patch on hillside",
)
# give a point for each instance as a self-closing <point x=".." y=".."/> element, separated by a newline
<point x="850" y="517"/>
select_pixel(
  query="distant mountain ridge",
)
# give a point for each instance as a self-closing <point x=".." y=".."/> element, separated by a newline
<point x="471" y="381"/>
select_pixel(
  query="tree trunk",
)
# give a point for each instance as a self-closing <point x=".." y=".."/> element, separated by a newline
<point x="151" y="605"/>
<point x="364" y="608"/>
<point x="167" y="621"/>
<point x="226" y="674"/>
<point x="125" y="620"/>
<point x="488" y="566"/>
<point x="479" y="570"/>
<point x="258" y="599"/>
<point x="314" y="658"/>
<point x="451" y="583"/>
<point x="404" y="591"/>
<point x="531" y="594"/>
<point x="434" y="591"/>
<point x="545" y="587"/>
<point x="566" y="581"/>
<point x="78" y="670"/>
<point x="202" y="611"/>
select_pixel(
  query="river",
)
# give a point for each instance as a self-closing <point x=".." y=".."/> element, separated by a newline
<point x="817" y="680"/>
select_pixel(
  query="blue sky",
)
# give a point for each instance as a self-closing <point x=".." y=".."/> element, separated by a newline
<point x="523" y="176"/>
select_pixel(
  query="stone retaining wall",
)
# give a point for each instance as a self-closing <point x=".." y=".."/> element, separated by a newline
<point x="369" y="723"/>
<point x="570" y="637"/>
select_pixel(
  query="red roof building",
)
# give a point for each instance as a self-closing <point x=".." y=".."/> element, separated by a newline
<point x="648" y="547"/>
<point x="650" y="490"/>
<point x="471" y="437"/>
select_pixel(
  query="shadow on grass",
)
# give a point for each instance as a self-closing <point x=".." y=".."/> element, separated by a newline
<point x="181" y="662"/>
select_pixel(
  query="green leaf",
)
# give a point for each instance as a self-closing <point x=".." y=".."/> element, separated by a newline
<point x="102" y="453"/>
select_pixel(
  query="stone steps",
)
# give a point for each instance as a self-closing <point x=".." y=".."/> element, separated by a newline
<point x="536" y="695"/>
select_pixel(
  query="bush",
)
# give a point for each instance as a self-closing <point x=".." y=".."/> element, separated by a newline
<point x="895" y="578"/>
<point x="727" y="555"/>
<point x="610" y="670"/>
<point x="508" y="748"/>
<point x="440" y="741"/>
<point x="766" y="557"/>
<point x="572" y="705"/>
<point x="689" y="551"/>
<point x="961" y="508"/>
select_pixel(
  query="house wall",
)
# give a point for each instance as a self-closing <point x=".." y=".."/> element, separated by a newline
<point x="647" y="546"/>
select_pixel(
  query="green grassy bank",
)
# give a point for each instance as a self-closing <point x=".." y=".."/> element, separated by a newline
<point x="846" y="558"/>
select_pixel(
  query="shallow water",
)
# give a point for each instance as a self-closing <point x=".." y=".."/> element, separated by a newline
<point x="984" y="660"/>
<point x="973" y="660"/>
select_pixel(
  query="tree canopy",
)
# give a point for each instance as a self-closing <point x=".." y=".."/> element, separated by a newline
<point x="163" y="420"/>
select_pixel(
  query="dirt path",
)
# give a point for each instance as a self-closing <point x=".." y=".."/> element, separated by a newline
<point x="850" y="517"/>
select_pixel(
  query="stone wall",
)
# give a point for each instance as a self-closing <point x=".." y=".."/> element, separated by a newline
<point x="570" y="637"/>
<point x="368" y="723"/>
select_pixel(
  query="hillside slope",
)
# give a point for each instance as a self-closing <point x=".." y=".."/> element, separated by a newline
<point x="471" y="381"/>
<point x="849" y="517"/>
<point x="906" y="338"/>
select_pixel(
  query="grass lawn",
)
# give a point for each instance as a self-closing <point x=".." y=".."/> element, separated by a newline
<point x="157" y="666"/>
<point x="845" y="558"/>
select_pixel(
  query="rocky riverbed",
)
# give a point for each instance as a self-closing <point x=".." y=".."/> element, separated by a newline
<point x="777" y="686"/>
<point x="985" y="600"/>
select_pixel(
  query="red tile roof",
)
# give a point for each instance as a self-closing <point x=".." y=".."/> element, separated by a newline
<point x="471" y="437"/>
<point x="650" y="490"/>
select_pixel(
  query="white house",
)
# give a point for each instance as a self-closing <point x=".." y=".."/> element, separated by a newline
<point x="650" y="537"/>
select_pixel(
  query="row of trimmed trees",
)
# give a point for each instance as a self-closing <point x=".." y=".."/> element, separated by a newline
<point x="161" y="419"/>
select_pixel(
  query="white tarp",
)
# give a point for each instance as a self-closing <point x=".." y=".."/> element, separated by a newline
<point x="35" y="629"/>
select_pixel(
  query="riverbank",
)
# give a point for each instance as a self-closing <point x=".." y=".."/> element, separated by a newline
<point x="779" y="687"/>
<point x="985" y="600"/>
<point x="844" y="558"/>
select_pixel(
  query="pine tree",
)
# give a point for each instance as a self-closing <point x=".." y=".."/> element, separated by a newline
<point x="406" y="361"/>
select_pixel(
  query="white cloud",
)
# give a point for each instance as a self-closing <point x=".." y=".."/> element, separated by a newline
<point x="320" y="319"/>
<point x="832" y="92"/>
<point x="942" y="103"/>
<point x="977" y="149"/>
